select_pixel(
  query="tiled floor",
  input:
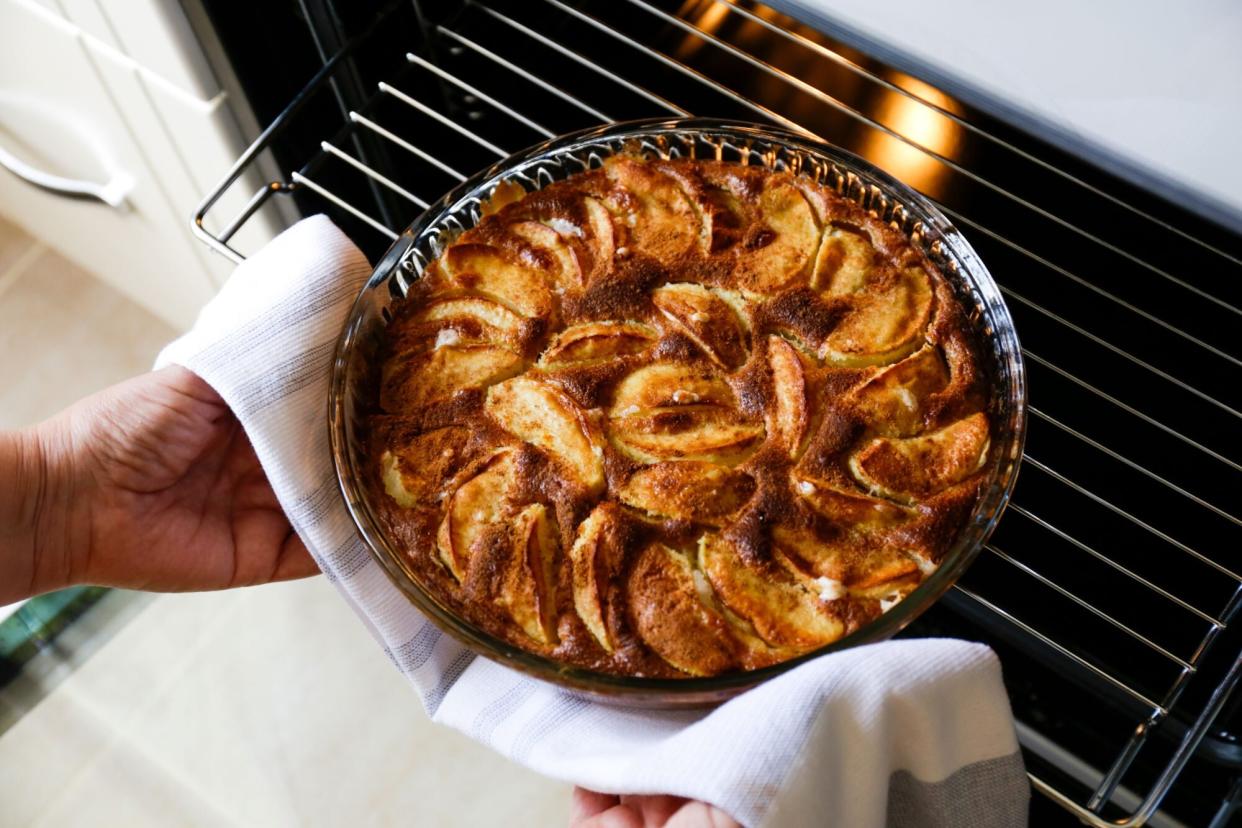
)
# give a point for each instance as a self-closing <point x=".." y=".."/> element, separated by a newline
<point x="63" y="333"/>
<point x="266" y="706"/>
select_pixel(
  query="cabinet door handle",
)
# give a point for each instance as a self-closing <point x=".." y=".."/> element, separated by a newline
<point x="112" y="192"/>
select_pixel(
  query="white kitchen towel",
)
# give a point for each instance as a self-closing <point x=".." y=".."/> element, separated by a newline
<point x="905" y="733"/>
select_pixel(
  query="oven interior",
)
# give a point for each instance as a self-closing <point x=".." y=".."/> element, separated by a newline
<point x="1109" y="590"/>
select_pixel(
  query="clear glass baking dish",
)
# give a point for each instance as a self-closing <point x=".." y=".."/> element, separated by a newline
<point x="354" y="377"/>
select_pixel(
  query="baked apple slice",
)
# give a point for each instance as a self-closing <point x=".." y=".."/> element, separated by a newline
<point x="723" y="217"/>
<point x="844" y="262"/>
<point x="544" y="417"/>
<point x="894" y="579"/>
<point x="582" y="223"/>
<point x="817" y="197"/>
<point x="413" y="382"/>
<point x="504" y="324"/>
<point x="843" y="505"/>
<point x="893" y="398"/>
<point x="809" y="557"/>
<point x="789" y="418"/>
<point x="568" y="272"/>
<point x="887" y="577"/>
<point x="904" y="468"/>
<point x="782" y="610"/>
<point x="503" y="194"/>
<point x="484" y="269"/>
<point x="603" y="234"/>
<point x="835" y="570"/>
<point x="414" y="474"/>
<point x="692" y="432"/>
<point x="477" y="503"/>
<point x="876" y="575"/>
<point x="528" y="590"/>
<point x="691" y="490"/>
<point x="707" y="319"/>
<point x="886" y="320"/>
<point x="671" y="616"/>
<point x="819" y="573"/>
<point x="669" y="384"/>
<point x="781" y="250"/>
<point x="595" y="558"/>
<point x="671" y="411"/>
<point x="592" y="341"/>
<point x="659" y="218"/>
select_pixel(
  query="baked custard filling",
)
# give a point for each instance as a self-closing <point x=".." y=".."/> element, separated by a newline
<point x="677" y="418"/>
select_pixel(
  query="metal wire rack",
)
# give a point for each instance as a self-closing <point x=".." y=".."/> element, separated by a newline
<point x="1117" y="568"/>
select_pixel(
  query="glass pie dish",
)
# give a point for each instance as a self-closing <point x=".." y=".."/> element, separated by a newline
<point x="356" y="367"/>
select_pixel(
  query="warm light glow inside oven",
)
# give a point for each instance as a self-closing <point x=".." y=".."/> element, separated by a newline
<point x="707" y="15"/>
<point x="920" y="124"/>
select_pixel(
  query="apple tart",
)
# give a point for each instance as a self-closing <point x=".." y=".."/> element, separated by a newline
<point x="677" y="418"/>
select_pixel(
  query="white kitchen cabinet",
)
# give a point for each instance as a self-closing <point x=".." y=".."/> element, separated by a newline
<point x="74" y="103"/>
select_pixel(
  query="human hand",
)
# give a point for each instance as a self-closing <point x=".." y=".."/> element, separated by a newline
<point x="151" y="484"/>
<point x="597" y="810"/>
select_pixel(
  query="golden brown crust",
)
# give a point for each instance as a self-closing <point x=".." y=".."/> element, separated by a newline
<point x="677" y="418"/>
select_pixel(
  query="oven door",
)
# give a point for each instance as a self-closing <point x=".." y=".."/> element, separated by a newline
<point x="1110" y="587"/>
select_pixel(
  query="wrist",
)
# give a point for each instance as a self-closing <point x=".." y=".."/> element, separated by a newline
<point x="36" y="548"/>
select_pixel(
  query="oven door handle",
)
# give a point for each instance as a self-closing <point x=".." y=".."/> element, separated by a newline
<point x="112" y="192"/>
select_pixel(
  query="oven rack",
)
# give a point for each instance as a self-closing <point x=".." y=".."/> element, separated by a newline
<point x="1129" y="461"/>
